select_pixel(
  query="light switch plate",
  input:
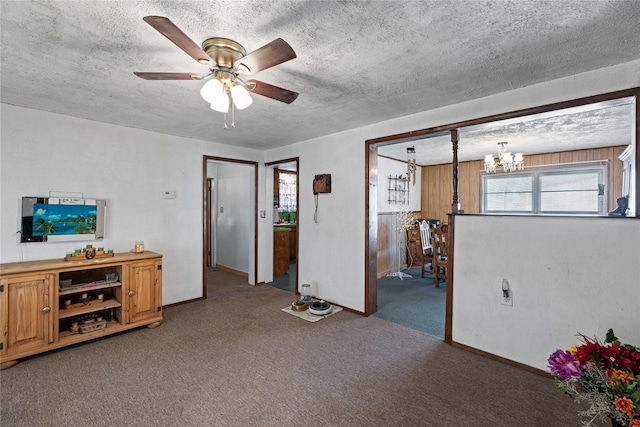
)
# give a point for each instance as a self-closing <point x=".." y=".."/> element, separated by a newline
<point x="168" y="194"/>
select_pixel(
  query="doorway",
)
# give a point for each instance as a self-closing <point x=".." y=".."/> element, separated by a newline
<point x="374" y="185"/>
<point x="282" y="182"/>
<point x="405" y="293"/>
<point x="230" y="217"/>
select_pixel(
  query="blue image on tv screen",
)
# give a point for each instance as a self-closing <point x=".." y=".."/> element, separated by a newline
<point x="56" y="220"/>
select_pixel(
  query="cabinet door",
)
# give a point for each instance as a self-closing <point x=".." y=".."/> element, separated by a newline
<point x="143" y="291"/>
<point x="25" y="312"/>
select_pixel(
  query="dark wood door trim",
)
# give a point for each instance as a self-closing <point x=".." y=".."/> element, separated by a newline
<point x="208" y="230"/>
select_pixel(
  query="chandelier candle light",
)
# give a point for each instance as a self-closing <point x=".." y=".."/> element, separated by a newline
<point x="506" y="160"/>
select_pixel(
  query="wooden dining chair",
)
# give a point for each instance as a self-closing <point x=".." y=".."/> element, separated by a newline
<point x="427" y="247"/>
<point x="440" y="257"/>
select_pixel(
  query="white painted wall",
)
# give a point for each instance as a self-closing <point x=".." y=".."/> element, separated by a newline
<point x="130" y="168"/>
<point x="235" y="216"/>
<point x="331" y="252"/>
<point x="567" y="275"/>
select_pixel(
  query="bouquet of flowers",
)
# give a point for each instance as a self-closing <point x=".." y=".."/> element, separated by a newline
<point x="606" y="376"/>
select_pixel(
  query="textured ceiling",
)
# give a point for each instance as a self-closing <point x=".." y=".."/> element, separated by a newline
<point x="602" y="124"/>
<point x="358" y="62"/>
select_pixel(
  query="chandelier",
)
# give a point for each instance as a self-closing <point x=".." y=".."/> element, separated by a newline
<point x="411" y="163"/>
<point x="506" y="160"/>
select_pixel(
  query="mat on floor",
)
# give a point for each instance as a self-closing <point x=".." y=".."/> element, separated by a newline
<point x="311" y="317"/>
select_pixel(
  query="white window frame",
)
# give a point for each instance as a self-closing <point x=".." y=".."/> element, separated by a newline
<point x="536" y="173"/>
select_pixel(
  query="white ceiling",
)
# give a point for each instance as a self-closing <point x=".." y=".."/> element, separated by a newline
<point x="358" y="62"/>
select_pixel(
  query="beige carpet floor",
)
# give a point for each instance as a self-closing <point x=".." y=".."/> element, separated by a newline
<point x="236" y="359"/>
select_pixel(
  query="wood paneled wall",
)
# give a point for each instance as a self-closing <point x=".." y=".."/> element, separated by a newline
<point x="387" y="247"/>
<point x="437" y="188"/>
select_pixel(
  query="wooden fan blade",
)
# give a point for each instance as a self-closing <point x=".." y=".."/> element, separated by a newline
<point x="271" y="91"/>
<point x="168" y="29"/>
<point x="168" y="76"/>
<point x="274" y="53"/>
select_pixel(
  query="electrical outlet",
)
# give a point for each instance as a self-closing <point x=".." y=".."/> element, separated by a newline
<point x="507" y="293"/>
<point x="507" y="300"/>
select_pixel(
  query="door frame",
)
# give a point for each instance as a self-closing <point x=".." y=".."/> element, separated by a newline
<point x="295" y="160"/>
<point x="206" y="215"/>
<point x="209" y="231"/>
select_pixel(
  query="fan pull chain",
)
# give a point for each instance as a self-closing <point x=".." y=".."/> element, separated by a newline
<point x="233" y="116"/>
<point x="225" y="121"/>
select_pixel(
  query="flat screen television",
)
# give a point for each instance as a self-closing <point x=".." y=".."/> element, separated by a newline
<point x="59" y="219"/>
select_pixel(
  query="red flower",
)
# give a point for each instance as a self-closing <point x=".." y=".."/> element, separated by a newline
<point x="595" y="351"/>
<point x="608" y="356"/>
<point x="629" y="359"/>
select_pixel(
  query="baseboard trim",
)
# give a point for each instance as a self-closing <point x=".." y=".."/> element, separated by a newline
<point x="233" y="271"/>
<point x="501" y="359"/>
<point x="182" y="302"/>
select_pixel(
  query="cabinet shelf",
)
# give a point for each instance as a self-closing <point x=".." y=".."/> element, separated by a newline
<point x="107" y="304"/>
<point x="124" y="290"/>
<point x="90" y="288"/>
<point x="112" y="326"/>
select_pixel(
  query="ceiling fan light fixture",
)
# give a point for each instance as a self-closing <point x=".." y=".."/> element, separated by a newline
<point x="241" y="97"/>
<point x="212" y="91"/>
<point x="221" y="103"/>
<point x="226" y="60"/>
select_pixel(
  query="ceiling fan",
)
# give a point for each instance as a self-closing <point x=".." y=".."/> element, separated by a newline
<point x="227" y="60"/>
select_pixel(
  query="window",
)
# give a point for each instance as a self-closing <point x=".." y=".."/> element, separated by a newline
<point x="563" y="190"/>
<point x="287" y="191"/>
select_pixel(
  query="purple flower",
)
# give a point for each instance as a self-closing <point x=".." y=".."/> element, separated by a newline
<point x="563" y="365"/>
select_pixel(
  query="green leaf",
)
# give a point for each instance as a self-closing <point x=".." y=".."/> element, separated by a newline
<point x="558" y="383"/>
<point x="611" y="338"/>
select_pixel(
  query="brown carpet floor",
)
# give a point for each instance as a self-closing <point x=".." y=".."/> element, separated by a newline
<point x="235" y="359"/>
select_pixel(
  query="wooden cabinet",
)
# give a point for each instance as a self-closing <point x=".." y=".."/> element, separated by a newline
<point x="50" y="304"/>
<point x="143" y="293"/>
<point x="293" y="242"/>
<point x="25" y="304"/>
<point x="281" y="252"/>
